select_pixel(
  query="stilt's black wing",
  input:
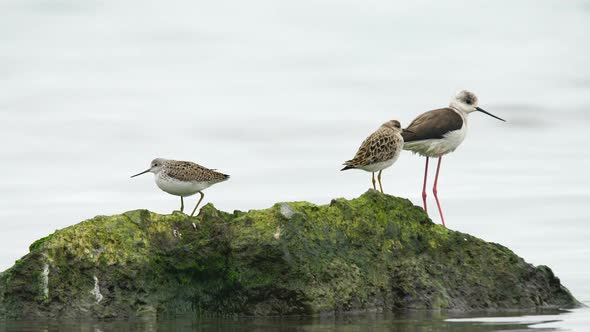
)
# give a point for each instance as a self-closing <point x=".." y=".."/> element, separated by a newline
<point x="433" y="125"/>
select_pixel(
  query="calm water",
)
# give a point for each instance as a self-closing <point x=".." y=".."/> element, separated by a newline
<point x="576" y="320"/>
<point x="542" y="320"/>
<point x="278" y="94"/>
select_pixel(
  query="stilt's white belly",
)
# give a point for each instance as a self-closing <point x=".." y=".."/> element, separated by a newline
<point x="438" y="147"/>
<point x="180" y="188"/>
<point x="381" y="165"/>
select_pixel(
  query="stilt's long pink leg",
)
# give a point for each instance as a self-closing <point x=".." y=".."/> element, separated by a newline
<point x="435" y="191"/>
<point x="424" y="186"/>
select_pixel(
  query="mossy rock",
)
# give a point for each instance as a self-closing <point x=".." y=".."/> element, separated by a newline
<point x="376" y="252"/>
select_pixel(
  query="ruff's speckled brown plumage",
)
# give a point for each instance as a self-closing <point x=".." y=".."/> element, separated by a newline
<point x="378" y="151"/>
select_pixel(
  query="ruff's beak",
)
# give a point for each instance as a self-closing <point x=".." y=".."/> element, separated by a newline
<point x="407" y="131"/>
<point x="141" y="173"/>
<point x="490" y="114"/>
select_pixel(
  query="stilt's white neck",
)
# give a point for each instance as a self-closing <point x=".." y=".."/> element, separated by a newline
<point x="461" y="113"/>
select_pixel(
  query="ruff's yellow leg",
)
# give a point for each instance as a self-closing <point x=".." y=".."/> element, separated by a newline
<point x="199" y="202"/>
<point x="379" y="178"/>
<point x="374" y="187"/>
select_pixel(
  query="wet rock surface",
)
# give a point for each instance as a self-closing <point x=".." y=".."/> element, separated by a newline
<point x="375" y="252"/>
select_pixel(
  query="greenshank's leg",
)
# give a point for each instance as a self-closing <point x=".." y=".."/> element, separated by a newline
<point x="374" y="187"/>
<point x="199" y="202"/>
<point x="379" y="178"/>
<point x="181" y="204"/>
<point x="196" y="206"/>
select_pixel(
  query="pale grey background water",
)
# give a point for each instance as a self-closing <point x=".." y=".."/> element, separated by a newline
<point x="278" y="94"/>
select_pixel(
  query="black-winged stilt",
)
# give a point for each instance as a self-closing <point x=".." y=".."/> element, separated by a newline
<point x="440" y="131"/>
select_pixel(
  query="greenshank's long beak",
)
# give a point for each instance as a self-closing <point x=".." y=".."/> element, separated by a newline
<point x="141" y="173"/>
<point x="490" y="114"/>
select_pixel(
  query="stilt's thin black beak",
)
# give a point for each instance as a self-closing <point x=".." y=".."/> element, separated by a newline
<point x="141" y="173"/>
<point x="407" y="131"/>
<point x="490" y="114"/>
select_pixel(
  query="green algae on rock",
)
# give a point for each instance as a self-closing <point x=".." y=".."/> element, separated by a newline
<point x="376" y="252"/>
